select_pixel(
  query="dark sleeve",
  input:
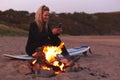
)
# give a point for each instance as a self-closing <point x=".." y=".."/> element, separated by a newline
<point x="56" y="42"/>
<point x="35" y="39"/>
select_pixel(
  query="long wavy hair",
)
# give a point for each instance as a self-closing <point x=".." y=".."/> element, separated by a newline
<point x="38" y="17"/>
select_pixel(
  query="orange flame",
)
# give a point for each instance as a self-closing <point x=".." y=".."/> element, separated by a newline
<point x="51" y="53"/>
<point x="56" y="63"/>
<point x="34" y="61"/>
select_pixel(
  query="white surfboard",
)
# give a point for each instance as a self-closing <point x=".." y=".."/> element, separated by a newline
<point x="78" y="50"/>
<point x="71" y="51"/>
<point x="23" y="57"/>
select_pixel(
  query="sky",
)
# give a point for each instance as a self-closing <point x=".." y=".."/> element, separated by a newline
<point x="62" y="6"/>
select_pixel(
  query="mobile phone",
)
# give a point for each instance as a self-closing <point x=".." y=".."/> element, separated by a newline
<point x="59" y="25"/>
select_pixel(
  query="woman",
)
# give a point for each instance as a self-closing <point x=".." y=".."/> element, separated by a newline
<point x="40" y="33"/>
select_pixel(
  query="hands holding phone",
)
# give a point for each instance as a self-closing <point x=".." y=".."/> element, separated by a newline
<point x="57" y="30"/>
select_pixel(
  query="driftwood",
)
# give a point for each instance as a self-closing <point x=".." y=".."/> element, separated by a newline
<point x="69" y="60"/>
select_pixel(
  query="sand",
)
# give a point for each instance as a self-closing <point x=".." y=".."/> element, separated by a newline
<point x="103" y="64"/>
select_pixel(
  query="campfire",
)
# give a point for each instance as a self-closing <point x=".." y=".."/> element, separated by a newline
<point x="46" y="62"/>
<point x="47" y="58"/>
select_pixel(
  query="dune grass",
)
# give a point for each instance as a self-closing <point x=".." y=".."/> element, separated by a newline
<point x="10" y="31"/>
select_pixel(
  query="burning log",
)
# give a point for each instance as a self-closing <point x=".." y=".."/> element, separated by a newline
<point x="69" y="61"/>
<point x="45" y="59"/>
<point x="41" y="60"/>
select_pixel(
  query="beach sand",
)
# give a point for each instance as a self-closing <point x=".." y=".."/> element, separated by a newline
<point x="103" y="64"/>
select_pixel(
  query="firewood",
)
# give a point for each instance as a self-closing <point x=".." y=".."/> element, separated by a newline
<point x="70" y="60"/>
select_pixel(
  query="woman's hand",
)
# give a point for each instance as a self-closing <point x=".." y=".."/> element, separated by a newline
<point x="57" y="31"/>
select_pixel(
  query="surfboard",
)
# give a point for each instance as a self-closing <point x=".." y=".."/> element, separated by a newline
<point x="78" y="50"/>
<point x="23" y="57"/>
<point x="71" y="51"/>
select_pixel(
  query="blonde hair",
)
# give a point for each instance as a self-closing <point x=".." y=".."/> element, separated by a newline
<point x="38" y="17"/>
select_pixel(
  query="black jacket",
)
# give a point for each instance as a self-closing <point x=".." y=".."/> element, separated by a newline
<point x="38" y="39"/>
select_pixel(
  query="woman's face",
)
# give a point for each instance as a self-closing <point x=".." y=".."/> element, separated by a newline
<point x="45" y="16"/>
